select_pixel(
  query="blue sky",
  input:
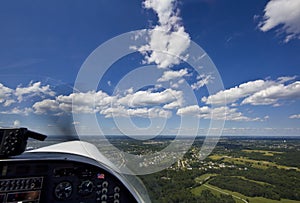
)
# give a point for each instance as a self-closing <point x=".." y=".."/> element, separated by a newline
<point x="254" y="45"/>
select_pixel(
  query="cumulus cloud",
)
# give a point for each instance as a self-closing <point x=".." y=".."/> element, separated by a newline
<point x="33" y="89"/>
<point x="274" y="93"/>
<point x="295" y="116"/>
<point x="88" y="102"/>
<point x="46" y="105"/>
<point x="121" y="111"/>
<point x="156" y="102"/>
<point x="10" y="96"/>
<point x="8" y="102"/>
<point x="174" y="104"/>
<point x="233" y="94"/>
<point x="85" y="102"/>
<point x="202" y="80"/>
<point x="18" y="111"/>
<point x="168" y="40"/>
<point x="219" y="113"/>
<point x="147" y="98"/>
<point x="137" y="104"/>
<point x="176" y="83"/>
<point x="171" y="75"/>
<point x="5" y="94"/>
<point x="164" y="10"/>
<point x="258" y="92"/>
<point x="284" y="13"/>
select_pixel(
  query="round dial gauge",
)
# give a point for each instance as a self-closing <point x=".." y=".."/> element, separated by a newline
<point x="63" y="190"/>
<point x="86" y="187"/>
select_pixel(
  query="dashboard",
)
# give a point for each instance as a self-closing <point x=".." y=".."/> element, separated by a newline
<point x="44" y="177"/>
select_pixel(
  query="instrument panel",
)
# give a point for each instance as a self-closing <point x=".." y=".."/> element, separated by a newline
<point x="21" y="189"/>
<point x="49" y="177"/>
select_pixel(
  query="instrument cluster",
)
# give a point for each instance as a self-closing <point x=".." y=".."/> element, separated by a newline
<point x="50" y="178"/>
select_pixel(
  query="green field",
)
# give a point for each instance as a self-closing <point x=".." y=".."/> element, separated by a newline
<point x="239" y="198"/>
<point x="253" y="163"/>
<point x="238" y="171"/>
<point x="254" y="181"/>
<point x="264" y="152"/>
<point x="205" y="177"/>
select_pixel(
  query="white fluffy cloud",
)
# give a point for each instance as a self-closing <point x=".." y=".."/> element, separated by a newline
<point x="121" y="111"/>
<point x="219" y="113"/>
<point x="258" y="92"/>
<point x="164" y="10"/>
<point x="18" y="111"/>
<point x="285" y="13"/>
<point x="85" y="102"/>
<point x="171" y="75"/>
<point x="147" y="98"/>
<point x="168" y="41"/>
<point x="8" y="102"/>
<point x="202" y="80"/>
<point x="33" y="89"/>
<point x="235" y="93"/>
<point x="152" y="103"/>
<point x="137" y="104"/>
<point x="5" y="94"/>
<point x="9" y="96"/>
<point x="274" y="93"/>
<point x="46" y="105"/>
<point x="295" y="116"/>
<point x="89" y="102"/>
